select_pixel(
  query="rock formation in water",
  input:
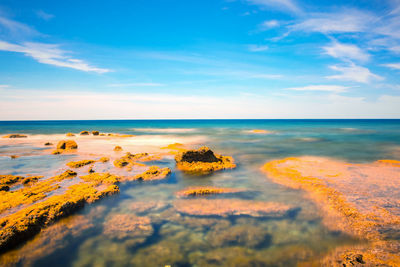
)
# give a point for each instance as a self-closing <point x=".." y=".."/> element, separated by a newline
<point x="202" y="161"/>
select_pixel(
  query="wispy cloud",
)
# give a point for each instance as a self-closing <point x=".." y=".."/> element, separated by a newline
<point x="44" y="15"/>
<point x="136" y="85"/>
<point x="322" y="88"/>
<point x="2" y="86"/>
<point x="352" y="72"/>
<point x="16" y="30"/>
<point x="284" y="5"/>
<point x="50" y="54"/>
<point x="395" y="66"/>
<point x="346" y="51"/>
<point x="269" y="24"/>
<point x="257" y="48"/>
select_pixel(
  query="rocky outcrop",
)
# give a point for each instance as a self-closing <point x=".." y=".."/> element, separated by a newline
<point x="153" y="173"/>
<point x="202" y="161"/>
<point x="15" y="136"/>
<point x="84" y="133"/>
<point x="130" y="160"/>
<point x="78" y="164"/>
<point x="67" y="144"/>
<point x="207" y="190"/>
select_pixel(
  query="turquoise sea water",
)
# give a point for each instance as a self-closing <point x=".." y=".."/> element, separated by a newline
<point x="181" y="240"/>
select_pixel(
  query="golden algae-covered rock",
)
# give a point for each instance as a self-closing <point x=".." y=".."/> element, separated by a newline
<point x="70" y="134"/>
<point x="80" y="163"/>
<point x="207" y="190"/>
<point x="67" y="144"/>
<point x="153" y="173"/>
<point x="104" y="159"/>
<point x="202" y="161"/>
<point x="101" y="178"/>
<point x="84" y="133"/>
<point x="15" y="136"/>
<point x="118" y="148"/>
<point x="130" y="160"/>
<point x="95" y="133"/>
<point x="229" y="207"/>
<point x="31" y="180"/>
<point x="354" y="200"/>
<point x="25" y="223"/>
<point x="260" y="131"/>
<point x="28" y="195"/>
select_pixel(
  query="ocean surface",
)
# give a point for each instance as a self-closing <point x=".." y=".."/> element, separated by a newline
<point x="182" y="240"/>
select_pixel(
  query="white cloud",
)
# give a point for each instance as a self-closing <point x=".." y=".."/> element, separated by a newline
<point x="285" y="5"/>
<point x="25" y="104"/>
<point x="258" y="48"/>
<point x="50" y="54"/>
<point x="269" y="24"/>
<point x="323" y="88"/>
<point x="345" y="51"/>
<point x="15" y="29"/>
<point x="354" y="73"/>
<point x="351" y="21"/>
<point x="3" y="86"/>
<point x="395" y="66"/>
<point x="136" y="84"/>
<point x="43" y="15"/>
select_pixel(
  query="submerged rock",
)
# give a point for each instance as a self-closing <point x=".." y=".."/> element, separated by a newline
<point x="202" y="161"/>
<point x="230" y="207"/>
<point x="130" y="160"/>
<point x="15" y="136"/>
<point x="207" y="190"/>
<point x="122" y="226"/>
<point x="104" y="159"/>
<point x="78" y="164"/>
<point x="239" y="235"/>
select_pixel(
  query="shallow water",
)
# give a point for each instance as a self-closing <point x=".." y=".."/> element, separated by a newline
<point x="182" y="240"/>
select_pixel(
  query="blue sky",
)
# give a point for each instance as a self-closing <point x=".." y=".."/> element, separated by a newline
<point x="148" y="59"/>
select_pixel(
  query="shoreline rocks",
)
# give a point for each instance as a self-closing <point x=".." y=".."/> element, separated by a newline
<point x="15" y="136"/>
<point x="202" y="161"/>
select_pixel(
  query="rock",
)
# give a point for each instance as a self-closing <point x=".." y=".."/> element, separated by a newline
<point x="84" y="133"/>
<point x="118" y="148"/>
<point x="67" y="144"/>
<point x="14" y="156"/>
<point x="202" y="161"/>
<point x="230" y="207"/>
<point x="78" y="164"/>
<point x="15" y="136"/>
<point x="123" y="226"/>
<point x="104" y="159"/>
<point x="238" y="235"/>
<point x="95" y="132"/>
<point x="206" y="190"/>
<point x="48" y="144"/>
<point x="31" y="179"/>
<point x="70" y="134"/>
<point x="153" y="173"/>
<point x="130" y="160"/>
<point x="91" y="170"/>
<point x="259" y="131"/>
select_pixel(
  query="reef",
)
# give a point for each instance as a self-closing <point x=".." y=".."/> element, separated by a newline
<point x="78" y="164"/>
<point x="104" y="159"/>
<point x="153" y="173"/>
<point x="351" y="202"/>
<point x="231" y="207"/>
<point x="123" y="226"/>
<point x="84" y="133"/>
<point x="207" y="190"/>
<point x="202" y="161"/>
<point x="15" y="136"/>
<point x="238" y="235"/>
<point x="130" y="160"/>
<point x="30" y="219"/>
<point x="118" y="148"/>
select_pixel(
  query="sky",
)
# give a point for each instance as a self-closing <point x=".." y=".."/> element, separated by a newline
<point x="208" y="59"/>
